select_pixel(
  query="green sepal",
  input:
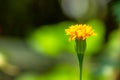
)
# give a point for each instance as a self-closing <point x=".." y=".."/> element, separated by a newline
<point x="80" y="46"/>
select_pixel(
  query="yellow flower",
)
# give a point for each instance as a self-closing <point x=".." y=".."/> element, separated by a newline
<point x="79" y="31"/>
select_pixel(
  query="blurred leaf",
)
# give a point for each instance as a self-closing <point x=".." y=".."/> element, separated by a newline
<point x="61" y="72"/>
<point x="27" y="76"/>
<point x="50" y="39"/>
<point x="17" y="52"/>
<point x="113" y="46"/>
<point x="116" y="10"/>
<point x="95" y="43"/>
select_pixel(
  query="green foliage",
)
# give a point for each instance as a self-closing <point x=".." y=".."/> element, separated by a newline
<point x="113" y="46"/>
<point x="95" y="43"/>
<point x="60" y="72"/>
<point x="116" y="10"/>
<point x="27" y="76"/>
<point x="50" y="39"/>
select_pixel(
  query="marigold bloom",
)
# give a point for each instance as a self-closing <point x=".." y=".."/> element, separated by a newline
<point x="79" y="31"/>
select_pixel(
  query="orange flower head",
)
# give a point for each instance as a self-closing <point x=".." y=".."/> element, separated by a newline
<point x="79" y="31"/>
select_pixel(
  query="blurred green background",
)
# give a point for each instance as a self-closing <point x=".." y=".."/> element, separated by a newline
<point x="34" y="46"/>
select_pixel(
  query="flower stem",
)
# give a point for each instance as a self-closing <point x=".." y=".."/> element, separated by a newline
<point x="80" y="58"/>
<point x="80" y="50"/>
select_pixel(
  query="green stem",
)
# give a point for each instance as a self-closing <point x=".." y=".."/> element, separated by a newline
<point x="80" y="50"/>
<point x="80" y="58"/>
